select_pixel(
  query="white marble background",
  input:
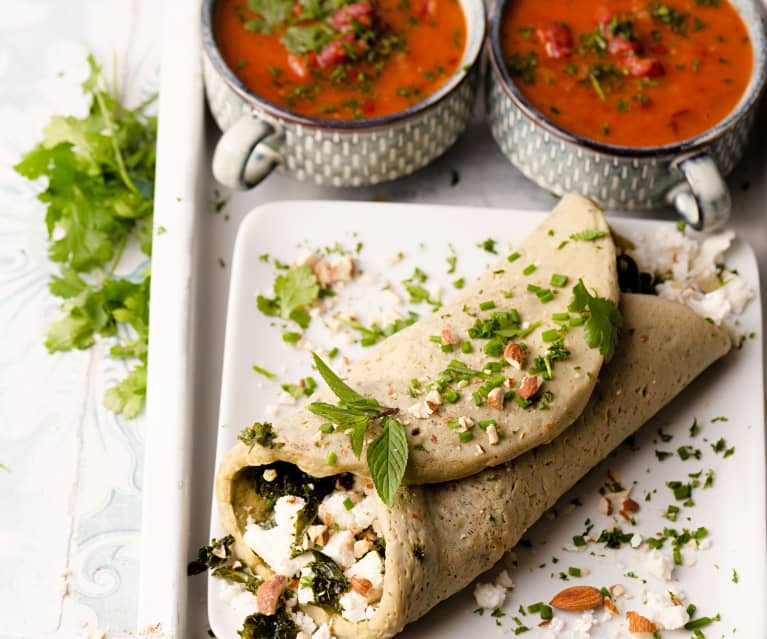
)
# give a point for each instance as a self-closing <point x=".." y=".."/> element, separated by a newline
<point x="71" y="503"/>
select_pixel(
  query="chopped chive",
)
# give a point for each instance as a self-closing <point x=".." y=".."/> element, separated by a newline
<point x="574" y="572"/>
<point x="264" y="372"/>
<point x="451" y="396"/>
<point x="550" y="335"/>
<point x="331" y="459"/>
<point x="559" y="280"/>
<point x="576" y="321"/>
<point x="326" y="428"/>
<point x="513" y="257"/>
<point x="486" y="306"/>
<point x="348" y="504"/>
<point x="560" y="317"/>
<point x="466" y="347"/>
<point x="291" y="338"/>
<point x="446" y="348"/>
<point x="436" y="339"/>
<point x="465" y="436"/>
<point x="529" y="269"/>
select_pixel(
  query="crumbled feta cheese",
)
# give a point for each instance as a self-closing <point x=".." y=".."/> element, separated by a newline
<point x="704" y="544"/>
<point x="433" y="397"/>
<point x="270" y="474"/>
<point x="271" y="410"/>
<point x="305" y="594"/>
<point x="361" y="547"/>
<point x="275" y="545"/>
<point x="304" y="622"/>
<point x="333" y="510"/>
<point x="242" y="601"/>
<point x="420" y="410"/>
<point x="340" y="548"/>
<point x="286" y="399"/>
<point x="489" y="596"/>
<point x="582" y="625"/>
<point x="665" y="613"/>
<point x="555" y="627"/>
<point x="370" y="567"/>
<point x="306" y="257"/>
<point x="659" y="565"/>
<point x="636" y="540"/>
<point x="504" y="579"/>
<point x="364" y="513"/>
<point x="354" y="607"/>
<point x="492" y="435"/>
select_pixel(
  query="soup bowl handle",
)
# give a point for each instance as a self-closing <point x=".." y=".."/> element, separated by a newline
<point x="238" y="161"/>
<point x="703" y="199"/>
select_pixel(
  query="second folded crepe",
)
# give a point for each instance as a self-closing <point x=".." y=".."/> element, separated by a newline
<point x="438" y="538"/>
<point x="471" y="360"/>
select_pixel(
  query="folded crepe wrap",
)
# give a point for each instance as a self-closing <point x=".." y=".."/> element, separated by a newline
<point x="386" y="372"/>
<point x="465" y="526"/>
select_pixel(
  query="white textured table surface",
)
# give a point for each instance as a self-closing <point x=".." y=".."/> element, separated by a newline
<point x="71" y="503"/>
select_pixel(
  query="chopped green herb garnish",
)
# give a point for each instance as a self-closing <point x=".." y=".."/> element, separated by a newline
<point x="262" y="371"/>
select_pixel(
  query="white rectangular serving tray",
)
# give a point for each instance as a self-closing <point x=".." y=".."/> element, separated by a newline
<point x="733" y="510"/>
<point x="191" y="270"/>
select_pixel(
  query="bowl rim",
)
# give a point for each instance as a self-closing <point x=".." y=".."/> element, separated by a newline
<point x="746" y="104"/>
<point x="475" y="40"/>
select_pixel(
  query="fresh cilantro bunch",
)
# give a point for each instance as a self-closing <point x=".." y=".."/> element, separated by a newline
<point x="99" y="173"/>
<point x="387" y="454"/>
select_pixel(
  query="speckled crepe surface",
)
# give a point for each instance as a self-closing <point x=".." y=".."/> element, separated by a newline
<point x="386" y="372"/>
<point x="465" y="526"/>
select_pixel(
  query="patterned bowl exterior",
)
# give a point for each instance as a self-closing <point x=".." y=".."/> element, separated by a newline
<point x="616" y="177"/>
<point x="358" y="157"/>
<point x="561" y="166"/>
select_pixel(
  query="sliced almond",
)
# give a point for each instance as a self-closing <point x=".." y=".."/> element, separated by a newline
<point x="577" y="598"/>
<point x="361" y="585"/>
<point x="529" y="386"/>
<point x="611" y="608"/>
<point x="638" y="623"/>
<point x="514" y="355"/>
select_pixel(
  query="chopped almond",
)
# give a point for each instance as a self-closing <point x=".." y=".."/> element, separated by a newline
<point x="605" y="507"/>
<point x="514" y="355"/>
<point x="269" y="593"/>
<point x="529" y="386"/>
<point x="611" y="607"/>
<point x="495" y="397"/>
<point x="630" y="506"/>
<point x="447" y="337"/>
<point x="361" y="585"/>
<point x="617" y="590"/>
<point x="638" y="623"/>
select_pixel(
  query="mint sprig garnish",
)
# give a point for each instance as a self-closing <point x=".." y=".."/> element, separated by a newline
<point x="387" y="454"/>
<point x="603" y="320"/>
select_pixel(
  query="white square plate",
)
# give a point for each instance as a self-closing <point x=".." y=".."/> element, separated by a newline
<point x="733" y="510"/>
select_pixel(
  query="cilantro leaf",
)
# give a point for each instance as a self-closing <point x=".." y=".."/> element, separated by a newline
<point x="588" y="235"/>
<point x="387" y="459"/>
<point x="98" y="175"/>
<point x="294" y="291"/>
<point x="271" y="14"/>
<point x="603" y="320"/>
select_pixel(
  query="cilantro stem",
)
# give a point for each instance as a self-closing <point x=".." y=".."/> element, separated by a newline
<point x="115" y="146"/>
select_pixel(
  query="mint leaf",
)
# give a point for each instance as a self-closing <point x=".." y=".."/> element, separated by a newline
<point x="387" y="459"/>
<point x="588" y="235"/>
<point x="341" y="390"/>
<point x="342" y="417"/>
<point x="603" y="319"/>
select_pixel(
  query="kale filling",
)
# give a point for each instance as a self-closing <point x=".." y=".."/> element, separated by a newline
<point x="276" y="626"/>
<point x="328" y="583"/>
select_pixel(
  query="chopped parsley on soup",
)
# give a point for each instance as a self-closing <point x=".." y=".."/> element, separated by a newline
<point x="341" y="59"/>
<point x="628" y="72"/>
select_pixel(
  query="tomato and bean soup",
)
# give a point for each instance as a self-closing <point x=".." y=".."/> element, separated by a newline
<point x="628" y="72"/>
<point x="341" y="59"/>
